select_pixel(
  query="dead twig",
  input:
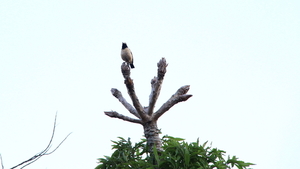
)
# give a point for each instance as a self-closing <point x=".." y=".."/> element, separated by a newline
<point x="1" y="162"/>
<point x="44" y="152"/>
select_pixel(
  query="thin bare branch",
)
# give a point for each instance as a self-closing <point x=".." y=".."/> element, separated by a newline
<point x="38" y="157"/>
<point x="44" y="152"/>
<point x="1" y="162"/>
<point x="115" y="114"/>
<point x="58" y="144"/>
<point x="47" y="153"/>
<point x="129" y="107"/>
<point x="156" y="83"/>
<point x="130" y="89"/>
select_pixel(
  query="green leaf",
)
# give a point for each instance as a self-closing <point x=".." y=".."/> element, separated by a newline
<point x="177" y="154"/>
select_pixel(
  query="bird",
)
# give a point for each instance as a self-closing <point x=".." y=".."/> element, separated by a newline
<point x="126" y="55"/>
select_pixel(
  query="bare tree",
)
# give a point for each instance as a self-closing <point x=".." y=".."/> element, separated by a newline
<point x="146" y="115"/>
<point x="40" y="154"/>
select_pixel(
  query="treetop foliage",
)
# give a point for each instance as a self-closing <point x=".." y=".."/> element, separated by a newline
<point x="177" y="154"/>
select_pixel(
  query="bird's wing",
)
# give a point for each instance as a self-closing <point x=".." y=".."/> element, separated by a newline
<point x="131" y="56"/>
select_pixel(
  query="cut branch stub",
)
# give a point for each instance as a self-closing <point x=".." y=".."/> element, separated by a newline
<point x="115" y="92"/>
<point x="125" y="70"/>
<point x="183" y="90"/>
<point x="162" y="68"/>
<point x="156" y="83"/>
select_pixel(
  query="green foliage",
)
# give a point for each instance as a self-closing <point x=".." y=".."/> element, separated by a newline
<point x="177" y="154"/>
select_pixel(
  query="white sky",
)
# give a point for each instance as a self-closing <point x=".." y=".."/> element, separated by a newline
<point x="241" y="58"/>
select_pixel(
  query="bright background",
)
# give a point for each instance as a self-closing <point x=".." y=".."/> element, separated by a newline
<point x="241" y="58"/>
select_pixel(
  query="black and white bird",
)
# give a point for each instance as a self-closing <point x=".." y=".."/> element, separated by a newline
<point x="127" y="55"/>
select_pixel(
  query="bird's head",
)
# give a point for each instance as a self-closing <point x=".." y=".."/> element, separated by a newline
<point x="124" y="45"/>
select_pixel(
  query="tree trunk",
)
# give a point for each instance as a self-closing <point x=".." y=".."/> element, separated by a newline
<point x="152" y="135"/>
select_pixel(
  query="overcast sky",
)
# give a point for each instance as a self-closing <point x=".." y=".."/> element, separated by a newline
<point x="241" y="58"/>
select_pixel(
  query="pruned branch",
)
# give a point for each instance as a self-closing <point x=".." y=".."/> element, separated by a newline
<point x="129" y="107"/>
<point x="162" y="68"/>
<point x="115" y="114"/>
<point x="179" y="96"/>
<point x="156" y="83"/>
<point x="44" y="152"/>
<point x="182" y="90"/>
<point x="130" y="89"/>
<point x="125" y="70"/>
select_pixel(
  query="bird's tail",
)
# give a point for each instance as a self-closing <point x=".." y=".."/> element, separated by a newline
<point x="131" y="65"/>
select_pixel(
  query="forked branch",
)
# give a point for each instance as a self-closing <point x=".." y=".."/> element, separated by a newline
<point x="44" y="152"/>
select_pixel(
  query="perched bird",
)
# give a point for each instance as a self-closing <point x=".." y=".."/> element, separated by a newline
<point x="127" y="55"/>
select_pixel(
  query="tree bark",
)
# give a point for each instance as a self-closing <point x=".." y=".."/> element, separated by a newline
<point x="152" y="135"/>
